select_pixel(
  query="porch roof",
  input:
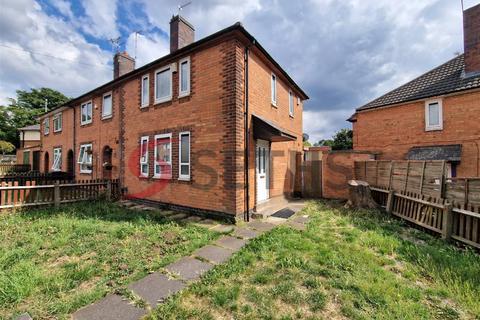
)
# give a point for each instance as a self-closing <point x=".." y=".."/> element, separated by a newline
<point x="451" y="152"/>
<point x="266" y="130"/>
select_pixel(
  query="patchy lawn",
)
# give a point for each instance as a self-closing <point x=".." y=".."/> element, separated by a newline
<point x="54" y="261"/>
<point x="346" y="265"/>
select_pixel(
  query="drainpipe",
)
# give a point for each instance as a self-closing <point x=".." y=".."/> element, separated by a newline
<point x="247" y="147"/>
<point x="74" y="148"/>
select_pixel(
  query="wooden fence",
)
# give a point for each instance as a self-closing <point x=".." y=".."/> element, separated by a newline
<point x="23" y="178"/>
<point x="311" y="178"/>
<point x="14" y="195"/>
<point x="12" y="168"/>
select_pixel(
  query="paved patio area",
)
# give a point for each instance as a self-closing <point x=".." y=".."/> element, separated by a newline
<point x="156" y="287"/>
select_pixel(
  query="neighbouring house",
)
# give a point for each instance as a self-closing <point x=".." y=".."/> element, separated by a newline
<point x="214" y="127"/>
<point x="30" y="145"/>
<point x="433" y="117"/>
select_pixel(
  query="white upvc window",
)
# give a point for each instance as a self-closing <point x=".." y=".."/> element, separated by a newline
<point x="57" y="159"/>
<point x="163" y="156"/>
<point x="184" y="156"/>
<point x="85" y="157"/>
<point x="145" y="91"/>
<point x="291" y="107"/>
<point x="144" y="156"/>
<point x="107" y="105"/>
<point x="163" y="84"/>
<point x="433" y="115"/>
<point x="86" y="110"/>
<point x="184" y="77"/>
<point x="299" y="101"/>
<point x="57" y="122"/>
<point x="46" y="126"/>
<point x="274" y="89"/>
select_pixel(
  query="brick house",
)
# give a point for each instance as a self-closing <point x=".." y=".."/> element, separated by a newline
<point x="433" y="117"/>
<point x="213" y="127"/>
<point x="29" y="150"/>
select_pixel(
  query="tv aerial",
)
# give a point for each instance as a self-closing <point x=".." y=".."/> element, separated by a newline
<point x="180" y="7"/>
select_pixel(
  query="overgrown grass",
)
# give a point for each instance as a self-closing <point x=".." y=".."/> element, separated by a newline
<point x="347" y="264"/>
<point x="54" y="261"/>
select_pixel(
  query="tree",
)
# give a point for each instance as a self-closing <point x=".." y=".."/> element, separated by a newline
<point x="24" y="110"/>
<point x="6" y="147"/>
<point x="343" y="140"/>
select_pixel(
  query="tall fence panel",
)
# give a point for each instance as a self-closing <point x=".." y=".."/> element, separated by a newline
<point x="312" y="179"/>
<point x="13" y="168"/>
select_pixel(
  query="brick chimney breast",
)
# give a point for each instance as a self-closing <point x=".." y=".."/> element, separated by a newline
<point x="122" y="64"/>
<point x="182" y="33"/>
<point x="471" y="35"/>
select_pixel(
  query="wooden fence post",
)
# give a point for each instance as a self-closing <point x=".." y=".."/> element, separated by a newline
<point x="389" y="208"/>
<point x="56" y="194"/>
<point x="447" y="222"/>
<point x="109" y="190"/>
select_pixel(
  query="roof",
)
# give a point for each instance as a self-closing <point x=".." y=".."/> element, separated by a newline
<point x="267" y="130"/>
<point x="33" y="127"/>
<point x="451" y="152"/>
<point x="235" y="27"/>
<point x="447" y="78"/>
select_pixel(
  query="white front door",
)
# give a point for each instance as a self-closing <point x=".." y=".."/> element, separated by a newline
<point x="262" y="157"/>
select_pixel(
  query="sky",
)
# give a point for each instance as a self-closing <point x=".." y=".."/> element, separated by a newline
<point x="342" y="53"/>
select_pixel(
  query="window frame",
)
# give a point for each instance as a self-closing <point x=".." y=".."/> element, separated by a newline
<point x="159" y="175"/>
<point x="181" y="176"/>
<point x="46" y="126"/>
<point x="273" y="89"/>
<point x="428" y="126"/>
<point x="55" y="151"/>
<point x="143" y="139"/>
<point x="55" y="120"/>
<point x="145" y="103"/>
<point x="166" y="98"/>
<point x="291" y="104"/>
<point x="107" y="116"/>
<point x="82" y="162"/>
<point x="186" y="92"/>
<point x="86" y="103"/>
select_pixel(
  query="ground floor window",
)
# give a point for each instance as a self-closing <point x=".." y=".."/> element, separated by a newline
<point x="26" y="157"/>
<point x="163" y="156"/>
<point x="144" y="156"/>
<point x="184" y="155"/>
<point x="57" y="159"/>
<point x="85" y="157"/>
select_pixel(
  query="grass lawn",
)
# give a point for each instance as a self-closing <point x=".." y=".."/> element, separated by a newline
<point x="54" y="261"/>
<point x="346" y="265"/>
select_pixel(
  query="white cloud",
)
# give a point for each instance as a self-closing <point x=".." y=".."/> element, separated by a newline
<point x="149" y="48"/>
<point x="31" y="39"/>
<point x="101" y="18"/>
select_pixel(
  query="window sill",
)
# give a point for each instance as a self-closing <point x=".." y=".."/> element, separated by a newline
<point x="184" y="94"/>
<point x="163" y="100"/>
<point x="184" y="178"/>
<point x="85" y="172"/>
<point x="162" y="178"/>
<point x="428" y="129"/>
<point x="144" y="106"/>
<point x="107" y="117"/>
<point x="85" y="123"/>
<point x="57" y="131"/>
<point x="274" y="104"/>
<point x="291" y="116"/>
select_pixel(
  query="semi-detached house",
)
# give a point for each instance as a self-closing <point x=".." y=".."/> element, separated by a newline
<point x="214" y="127"/>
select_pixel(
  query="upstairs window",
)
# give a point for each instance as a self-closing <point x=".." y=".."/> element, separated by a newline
<point x="145" y="91"/>
<point x="291" y="108"/>
<point x="85" y="157"/>
<point x="184" y="80"/>
<point x="144" y="156"/>
<point x="274" y="89"/>
<point x="433" y="115"/>
<point x="184" y="152"/>
<point x="86" y="113"/>
<point x="163" y="85"/>
<point x="57" y="159"/>
<point x="163" y="156"/>
<point x="46" y="126"/>
<point x="57" y="122"/>
<point x="107" y="106"/>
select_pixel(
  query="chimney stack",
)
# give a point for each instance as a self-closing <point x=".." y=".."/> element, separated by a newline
<point x="122" y="64"/>
<point x="182" y="33"/>
<point x="471" y="36"/>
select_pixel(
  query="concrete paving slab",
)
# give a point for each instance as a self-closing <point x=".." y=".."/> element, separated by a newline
<point x="189" y="268"/>
<point x="213" y="254"/>
<point x="178" y="216"/>
<point x="24" y="316"/>
<point x="155" y="287"/>
<point x="193" y="219"/>
<point x="275" y="220"/>
<point x="231" y="243"/>
<point x="260" y="225"/>
<point x="206" y="223"/>
<point x="112" y="307"/>
<point x="223" y="228"/>
<point x="301" y="219"/>
<point x="245" y="233"/>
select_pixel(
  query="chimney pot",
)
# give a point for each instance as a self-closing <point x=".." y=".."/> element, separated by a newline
<point x="471" y="35"/>
<point x="122" y="64"/>
<point x="182" y="33"/>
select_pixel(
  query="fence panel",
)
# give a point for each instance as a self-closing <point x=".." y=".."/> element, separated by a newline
<point x="13" y="168"/>
<point x="312" y="179"/>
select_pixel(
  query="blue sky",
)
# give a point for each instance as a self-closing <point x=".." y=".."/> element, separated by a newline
<point x="343" y="53"/>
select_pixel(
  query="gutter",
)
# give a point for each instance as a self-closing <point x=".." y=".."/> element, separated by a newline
<point x="246" y="216"/>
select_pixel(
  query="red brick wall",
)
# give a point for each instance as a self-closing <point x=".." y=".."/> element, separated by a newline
<point x="471" y="30"/>
<point x="394" y="130"/>
<point x="337" y="169"/>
